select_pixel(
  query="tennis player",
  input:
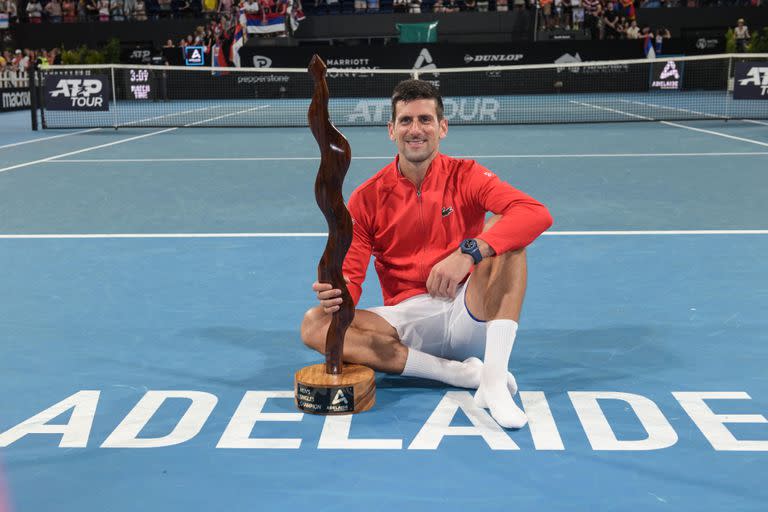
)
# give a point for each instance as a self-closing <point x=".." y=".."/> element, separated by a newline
<point x="453" y="284"/>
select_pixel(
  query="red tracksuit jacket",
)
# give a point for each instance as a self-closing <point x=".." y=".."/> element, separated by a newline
<point x="408" y="231"/>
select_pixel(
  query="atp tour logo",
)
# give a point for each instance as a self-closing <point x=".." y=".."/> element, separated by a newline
<point x="72" y="93"/>
<point x="140" y="55"/>
<point x="669" y="78"/>
<point x="377" y="112"/>
<point x="751" y="81"/>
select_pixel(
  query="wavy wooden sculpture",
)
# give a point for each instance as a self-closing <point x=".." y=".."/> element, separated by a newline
<point x="333" y="388"/>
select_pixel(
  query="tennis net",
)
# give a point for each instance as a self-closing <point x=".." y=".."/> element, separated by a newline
<point x="729" y="86"/>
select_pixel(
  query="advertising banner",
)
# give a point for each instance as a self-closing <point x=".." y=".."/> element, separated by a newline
<point x="14" y="99"/>
<point x="429" y="56"/>
<point x="666" y="75"/>
<point x="68" y="92"/>
<point x="750" y="81"/>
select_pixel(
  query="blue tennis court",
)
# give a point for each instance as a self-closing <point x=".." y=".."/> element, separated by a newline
<point x="154" y="281"/>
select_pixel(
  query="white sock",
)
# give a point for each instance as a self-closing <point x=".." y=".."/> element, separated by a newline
<point x="493" y="392"/>
<point x="461" y="374"/>
<point x="456" y="373"/>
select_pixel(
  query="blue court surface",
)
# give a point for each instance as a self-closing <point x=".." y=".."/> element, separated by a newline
<point x="153" y="282"/>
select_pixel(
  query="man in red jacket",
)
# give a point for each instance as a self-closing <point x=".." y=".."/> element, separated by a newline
<point x="453" y="284"/>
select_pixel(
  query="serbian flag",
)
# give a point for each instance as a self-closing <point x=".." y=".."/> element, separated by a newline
<point x="218" y="59"/>
<point x="650" y="53"/>
<point x="237" y="42"/>
<point x="628" y="9"/>
<point x="268" y="23"/>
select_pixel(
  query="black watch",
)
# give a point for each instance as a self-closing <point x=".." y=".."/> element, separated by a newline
<point x="469" y="246"/>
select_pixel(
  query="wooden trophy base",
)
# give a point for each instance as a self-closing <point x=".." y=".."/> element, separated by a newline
<point x="317" y="392"/>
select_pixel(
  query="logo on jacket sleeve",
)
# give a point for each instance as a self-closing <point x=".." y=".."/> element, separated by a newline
<point x="447" y="210"/>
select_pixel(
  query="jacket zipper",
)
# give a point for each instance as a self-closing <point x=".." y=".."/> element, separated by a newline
<point x="423" y="234"/>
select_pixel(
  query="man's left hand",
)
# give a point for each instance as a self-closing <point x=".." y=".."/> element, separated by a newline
<point x="447" y="274"/>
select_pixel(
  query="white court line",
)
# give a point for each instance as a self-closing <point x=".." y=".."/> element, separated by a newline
<point x="213" y="159"/>
<point x="307" y="235"/>
<point x="664" y="107"/>
<point x="48" y="138"/>
<point x="91" y="148"/>
<point x="226" y="115"/>
<point x="129" y="139"/>
<point x="668" y="123"/>
<point x="170" y="115"/>
<point x="719" y="134"/>
<point x="690" y="111"/>
<point x="611" y="110"/>
<point x="299" y="158"/>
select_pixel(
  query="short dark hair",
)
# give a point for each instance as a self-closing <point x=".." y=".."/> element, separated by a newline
<point x="409" y="90"/>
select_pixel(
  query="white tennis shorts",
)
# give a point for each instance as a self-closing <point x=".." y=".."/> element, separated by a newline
<point x="442" y="327"/>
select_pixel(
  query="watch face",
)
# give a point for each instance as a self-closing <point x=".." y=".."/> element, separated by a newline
<point x="469" y="244"/>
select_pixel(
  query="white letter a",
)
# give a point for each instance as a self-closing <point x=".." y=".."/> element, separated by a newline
<point x="74" y="433"/>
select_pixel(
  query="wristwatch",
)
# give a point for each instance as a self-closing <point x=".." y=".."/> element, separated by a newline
<point x="469" y="246"/>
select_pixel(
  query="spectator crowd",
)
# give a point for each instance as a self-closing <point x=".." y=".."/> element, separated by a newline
<point x="19" y="61"/>
<point x="70" y="11"/>
<point x="604" y="19"/>
<point x="14" y="65"/>
<point x="215" y="31"/>
<point x="554" y="9"/>
<point x="553" y="12"/>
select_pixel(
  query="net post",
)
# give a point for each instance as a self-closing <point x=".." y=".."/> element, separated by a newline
<point x="114" y="98"/>
<point x="31" y="74"/>
<point x="727" y="88"/>
<point x="415" y="75"/>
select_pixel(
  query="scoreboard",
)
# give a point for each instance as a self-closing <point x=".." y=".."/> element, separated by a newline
<point x="139" y="84"/>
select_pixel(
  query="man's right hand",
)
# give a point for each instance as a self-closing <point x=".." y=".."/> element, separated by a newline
<point x="329" y="297"/>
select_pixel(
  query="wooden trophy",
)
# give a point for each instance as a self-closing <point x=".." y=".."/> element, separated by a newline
<point x="333" y="387"/>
